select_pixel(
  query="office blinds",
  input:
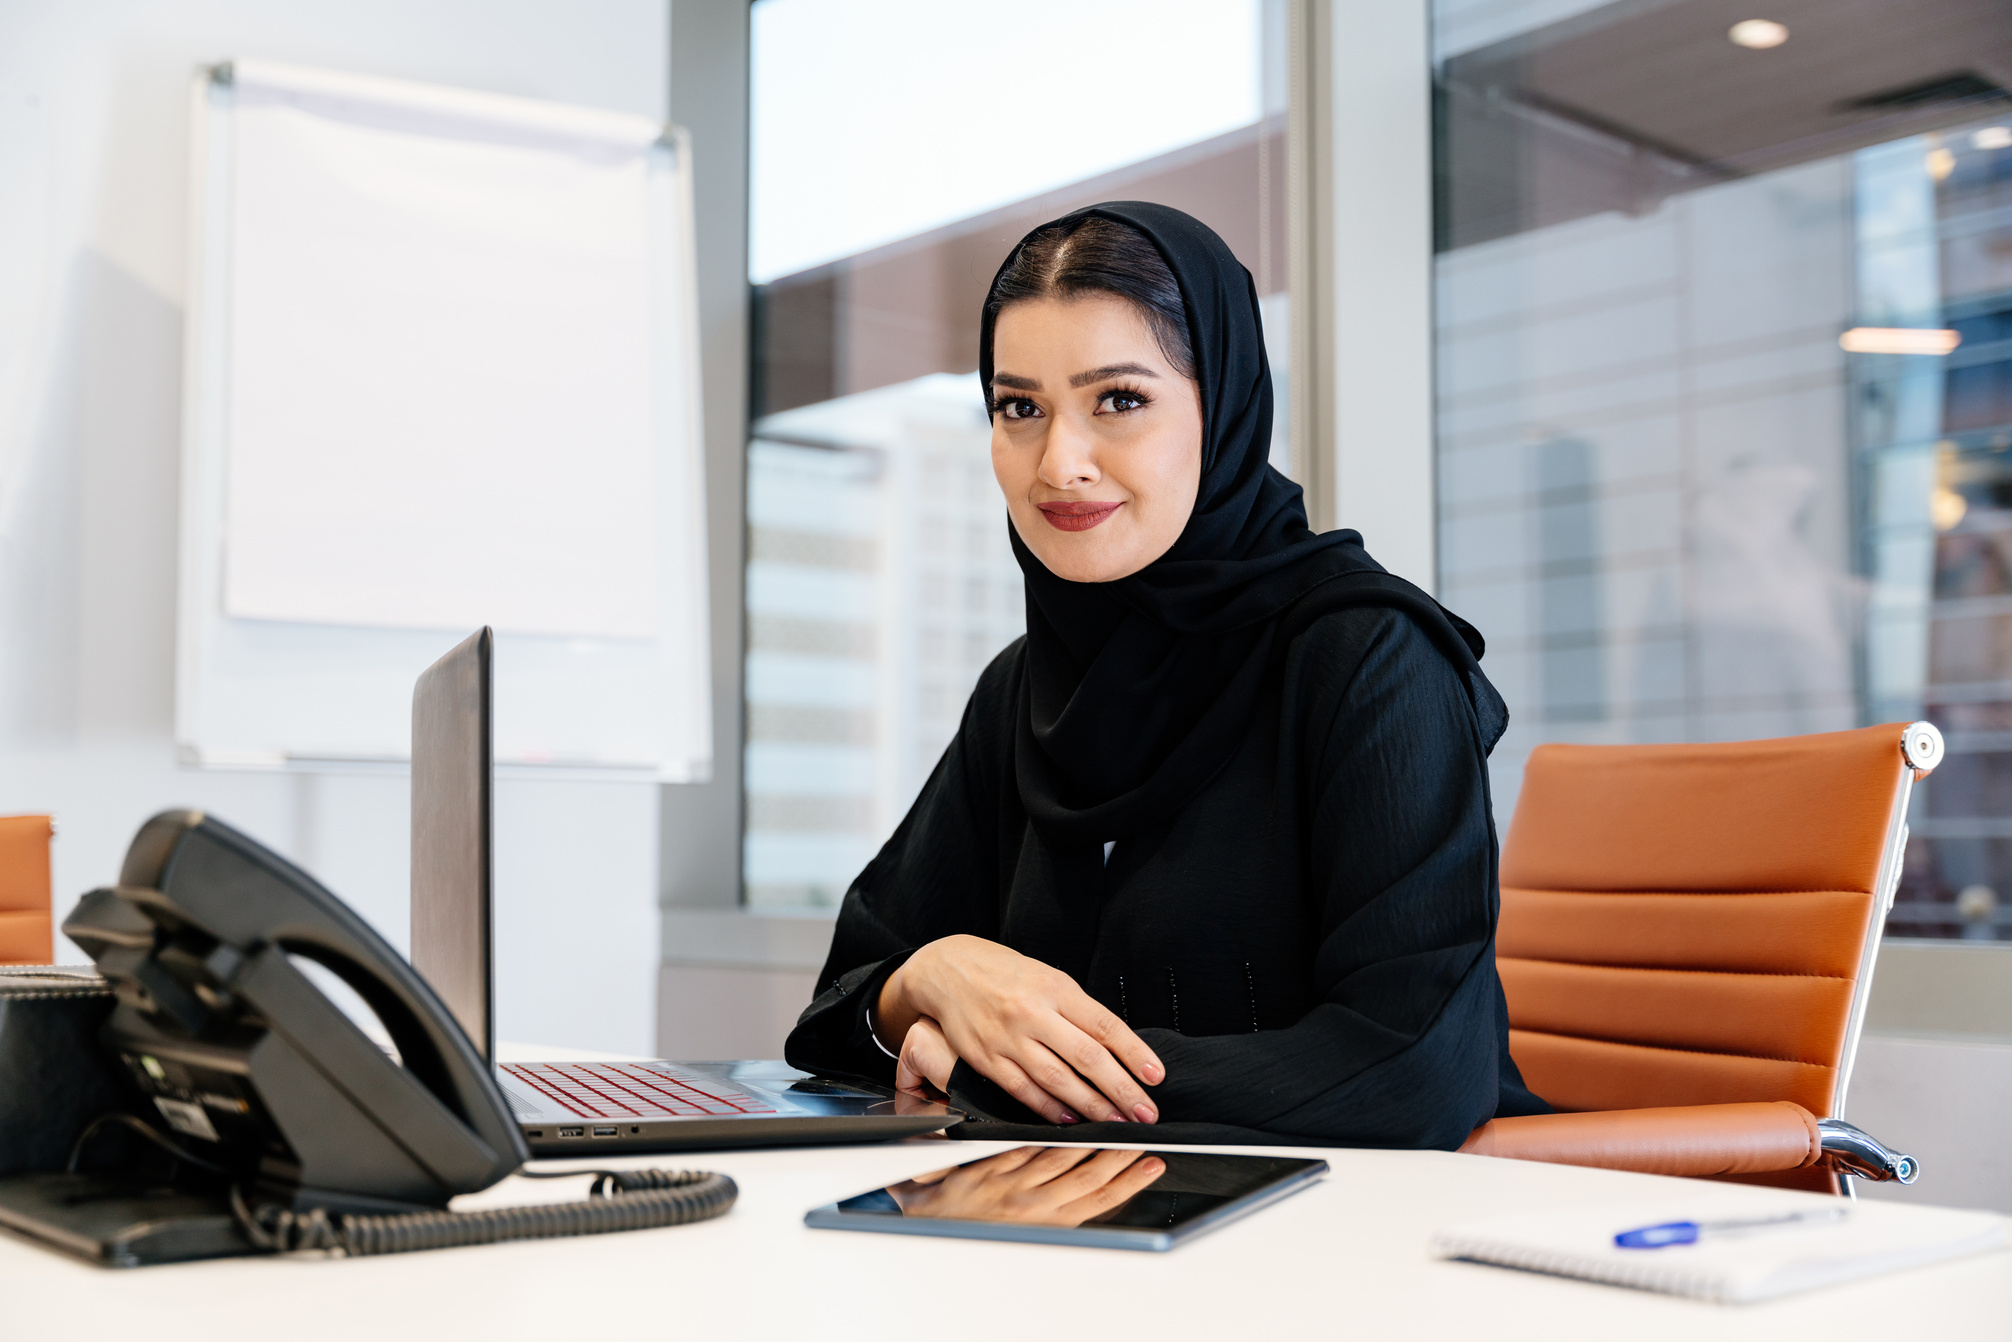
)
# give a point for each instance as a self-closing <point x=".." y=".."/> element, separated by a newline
<point x="441" y="373"/>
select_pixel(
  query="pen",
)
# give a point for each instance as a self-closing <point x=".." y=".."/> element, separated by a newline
<point x="1690" y="1232"/>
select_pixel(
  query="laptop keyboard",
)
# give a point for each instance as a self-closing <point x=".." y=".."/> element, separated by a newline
<point x="629" y="1091"/>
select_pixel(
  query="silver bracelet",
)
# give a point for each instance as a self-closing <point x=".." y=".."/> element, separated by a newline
<point x="873" y="1031"/>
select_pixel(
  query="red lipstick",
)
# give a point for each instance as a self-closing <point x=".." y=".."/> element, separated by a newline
<point x="1077" y="516"/>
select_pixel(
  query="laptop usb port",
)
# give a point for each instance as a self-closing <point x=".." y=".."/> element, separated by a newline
<point x="606" y="1132"/>
<point x="572" y="1132"/>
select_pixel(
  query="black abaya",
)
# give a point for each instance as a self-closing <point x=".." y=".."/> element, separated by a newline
<point x="1288" y="746"/>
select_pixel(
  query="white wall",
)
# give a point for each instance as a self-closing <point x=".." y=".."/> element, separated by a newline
<point x="1934" y="1071"/>
<point x="93" y="166"/>
<point x="1942" y="1101"/>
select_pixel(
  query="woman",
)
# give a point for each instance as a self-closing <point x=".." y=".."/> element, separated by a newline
<point x="1212" y="848"/>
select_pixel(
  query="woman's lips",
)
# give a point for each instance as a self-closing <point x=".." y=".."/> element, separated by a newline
<point x="1077" y="516"/>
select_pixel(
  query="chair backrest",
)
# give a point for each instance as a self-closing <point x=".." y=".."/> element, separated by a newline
<point x="1696" y="924"/>
<point x="26" y="937"/>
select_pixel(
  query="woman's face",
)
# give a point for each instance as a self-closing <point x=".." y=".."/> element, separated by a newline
<point x="1096" y="439"/>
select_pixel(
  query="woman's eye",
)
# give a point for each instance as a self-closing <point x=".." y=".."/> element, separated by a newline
<point x="1121" y="401"/>
<point x="1019" y="408"/>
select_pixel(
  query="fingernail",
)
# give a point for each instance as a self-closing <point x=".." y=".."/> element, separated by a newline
<point x="1154" y="1074"/>
<point x="1145" y="1113"/>
<point x="1156" y="1166"/>
<point x="1068" y="1117"/>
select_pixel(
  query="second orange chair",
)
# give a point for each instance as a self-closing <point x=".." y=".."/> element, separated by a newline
<point x="26" y="937"/>
<point x="1687" y="941"/>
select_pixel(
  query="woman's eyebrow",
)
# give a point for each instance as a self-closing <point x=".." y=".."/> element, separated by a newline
<point x="1016" y="383"/>
<point x="1110" y="370"/>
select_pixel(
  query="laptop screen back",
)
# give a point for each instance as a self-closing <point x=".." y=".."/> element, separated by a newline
<point x="452" y="945"/>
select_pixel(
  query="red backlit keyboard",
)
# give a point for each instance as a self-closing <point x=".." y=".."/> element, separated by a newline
<point x="632" y="1090"/>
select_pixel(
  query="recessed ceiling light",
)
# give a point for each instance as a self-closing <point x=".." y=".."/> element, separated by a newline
<point x="1946" y="507"/>
<point x="1758" y="34"/>
<point x="1992" y="137"/>
<point x="1899" y="340"/>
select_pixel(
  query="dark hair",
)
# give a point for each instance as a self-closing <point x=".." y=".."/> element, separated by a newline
<point x="1098" y="255"/>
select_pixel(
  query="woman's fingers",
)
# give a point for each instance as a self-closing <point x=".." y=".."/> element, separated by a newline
<point x="926" y="1060"/>
<point x="1008" y="1161"/>
<point x="1123" y="1186"/>
<point x="1120" y="1093"/>
<point x="1050" y="1164"/>
<point x="1006" y="1171"/>
<point x="1057" y="1078"/>
<point x="1089" y="1175"/>
<point x="1026" y="1070"/>
<point x="1028" y="1026"/>
<point x="1012" y="1079"/>
<point x="1099" y="1184"/>
<point x="1099" y="1022"/>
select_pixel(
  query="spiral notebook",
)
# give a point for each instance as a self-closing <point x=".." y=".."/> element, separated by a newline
<point x="1755" y="1245"/>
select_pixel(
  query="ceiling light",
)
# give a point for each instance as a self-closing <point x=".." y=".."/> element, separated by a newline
<point x="1992" y="137"/>
<point x="1758" y="34"/>
<point x="1898" y="340"/>
<point x="1946" y="507"/>
<point x="1940" y="163"/>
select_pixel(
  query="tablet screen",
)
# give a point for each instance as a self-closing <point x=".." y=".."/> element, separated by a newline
<point x="1082" y="1187"/>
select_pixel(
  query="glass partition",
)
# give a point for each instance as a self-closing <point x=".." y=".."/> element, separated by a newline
<point x="899" y="149"/>
<point x="1725" y="386"/>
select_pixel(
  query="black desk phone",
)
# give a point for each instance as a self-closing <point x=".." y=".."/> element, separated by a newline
<point x="262" y="1118"/>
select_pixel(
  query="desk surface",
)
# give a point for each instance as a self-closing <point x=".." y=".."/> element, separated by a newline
<point x="1347" y="1257"/>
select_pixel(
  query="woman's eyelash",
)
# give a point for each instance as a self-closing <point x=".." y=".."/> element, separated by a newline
<point x="997" y="404"/>
<point x="1132" y="393"/>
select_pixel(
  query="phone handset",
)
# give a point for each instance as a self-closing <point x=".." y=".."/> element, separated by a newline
<point x="239" y="1049"/>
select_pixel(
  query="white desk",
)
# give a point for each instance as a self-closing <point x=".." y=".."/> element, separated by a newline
<point x="1345" y="1259"/>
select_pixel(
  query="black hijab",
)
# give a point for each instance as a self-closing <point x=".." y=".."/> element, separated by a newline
<point x="1139" y="690"/>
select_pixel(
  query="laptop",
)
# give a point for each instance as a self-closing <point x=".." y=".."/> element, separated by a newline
<point x="586" y="1108"/>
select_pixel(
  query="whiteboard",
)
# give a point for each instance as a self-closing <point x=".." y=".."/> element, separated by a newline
<point x="440" y="373"/>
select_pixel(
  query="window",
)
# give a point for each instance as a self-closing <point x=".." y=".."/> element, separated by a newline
<point x="1725" y="387"/>
<point x="898" y="149"/>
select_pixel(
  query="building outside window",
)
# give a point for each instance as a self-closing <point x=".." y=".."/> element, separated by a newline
<point x="1724" y="328"/>
<point x="889" y="179"/>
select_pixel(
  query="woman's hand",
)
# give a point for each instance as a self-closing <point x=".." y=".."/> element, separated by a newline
<point x="1028" y="1027"/>
<point x="1035" y="1185"/>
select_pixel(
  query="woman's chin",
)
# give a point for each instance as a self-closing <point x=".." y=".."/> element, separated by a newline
<point x="1104" y="553"/>
<point x="1076" y="566"/>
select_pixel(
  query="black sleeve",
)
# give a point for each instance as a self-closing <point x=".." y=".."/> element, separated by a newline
<point x="1403" y="1047"/>
<point x="938" y="875"/>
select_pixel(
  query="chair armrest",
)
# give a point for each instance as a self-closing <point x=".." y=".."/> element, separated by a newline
<point x="1698" y="1140"/>
<point x="1858" y="1153"/>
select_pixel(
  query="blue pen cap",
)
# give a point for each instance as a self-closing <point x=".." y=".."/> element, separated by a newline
<point x="1658" y="1237"/>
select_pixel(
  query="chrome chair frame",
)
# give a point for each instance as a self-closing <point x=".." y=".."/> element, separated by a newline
<point x="1854" y="1153"/>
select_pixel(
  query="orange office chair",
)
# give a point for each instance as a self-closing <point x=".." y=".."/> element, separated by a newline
<point x="25" y="934"/>
<point x="1686" y="944"/>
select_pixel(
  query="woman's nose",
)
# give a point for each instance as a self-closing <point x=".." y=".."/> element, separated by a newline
<point x="1068" y="463"/>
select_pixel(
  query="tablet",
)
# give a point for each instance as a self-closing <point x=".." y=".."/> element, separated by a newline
<point x="1100" y="1197"/>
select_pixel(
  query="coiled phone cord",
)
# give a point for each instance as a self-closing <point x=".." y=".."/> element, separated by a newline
<point x="617" y="1200"/>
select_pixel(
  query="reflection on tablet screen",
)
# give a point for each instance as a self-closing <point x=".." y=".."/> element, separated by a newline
<point x="1074" y="1186"/>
